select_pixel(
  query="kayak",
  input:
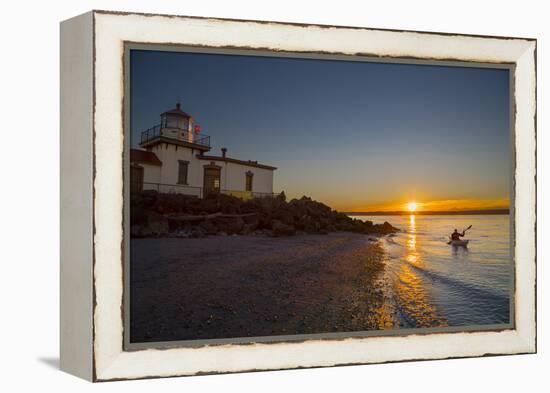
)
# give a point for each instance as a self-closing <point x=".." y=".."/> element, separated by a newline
<point x="458" y="243"/>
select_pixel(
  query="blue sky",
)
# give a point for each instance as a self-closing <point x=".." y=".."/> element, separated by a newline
<point x="351" y="134"/>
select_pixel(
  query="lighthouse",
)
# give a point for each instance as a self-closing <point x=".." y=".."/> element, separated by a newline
<point x="174" y="158"/>
<point x="176" y="123"/>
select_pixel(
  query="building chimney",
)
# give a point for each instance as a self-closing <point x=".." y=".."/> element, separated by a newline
<point x="224" y="151"/>
<point x="178" y="105"/>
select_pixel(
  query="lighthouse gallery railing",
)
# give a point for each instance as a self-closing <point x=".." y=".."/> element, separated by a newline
<point x="156" y="132"/>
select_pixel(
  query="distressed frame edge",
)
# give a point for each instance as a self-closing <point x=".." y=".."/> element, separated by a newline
<point x="76" y="207"/>
<point x="527" y="340"/>
<point x="304" y="24"/>
<point x="526" y="139"/>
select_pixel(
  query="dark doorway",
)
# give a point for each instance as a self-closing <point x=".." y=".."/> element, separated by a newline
<point x="136" y="179"/>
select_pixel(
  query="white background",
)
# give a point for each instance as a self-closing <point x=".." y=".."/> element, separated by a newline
<point x="29" y="197"/>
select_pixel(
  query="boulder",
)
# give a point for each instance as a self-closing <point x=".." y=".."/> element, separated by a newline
<point x="149" y="197"/>
<point x="197" y="233"/>
<point x="311" y="225"/>
<point x="157" y="224"/>
<point x="248" y="229"/>
<point x="281" y="229"/>
<point x="230" y="225"/>
<point x="208" y="227"/>
<point x="284" y="215"/>
<point x="386" y="228"/>
<point x="138" y="214"/>
<point x="252" y="219"/>
<point x="210" y="205"/>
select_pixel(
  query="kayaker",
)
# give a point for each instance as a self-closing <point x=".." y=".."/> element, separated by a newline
<point x="457" y="235"/>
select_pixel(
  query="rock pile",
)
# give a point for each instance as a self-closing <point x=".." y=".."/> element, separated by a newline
<point x="153" y="215"/>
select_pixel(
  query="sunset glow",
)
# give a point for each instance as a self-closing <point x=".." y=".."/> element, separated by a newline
<point x="433" y="205"/>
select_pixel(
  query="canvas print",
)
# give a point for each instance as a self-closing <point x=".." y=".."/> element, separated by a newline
<point x="282" y="198"/>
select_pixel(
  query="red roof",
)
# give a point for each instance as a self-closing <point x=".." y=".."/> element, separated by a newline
<point x="144" y="157"/>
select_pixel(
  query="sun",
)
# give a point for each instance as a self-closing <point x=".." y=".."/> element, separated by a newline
<point x="411" y="206"/>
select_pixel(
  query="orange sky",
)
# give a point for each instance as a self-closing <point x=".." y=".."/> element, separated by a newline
<point x="439" y="205"/>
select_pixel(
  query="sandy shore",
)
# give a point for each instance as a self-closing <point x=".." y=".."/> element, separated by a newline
<point x="244" y="286"/>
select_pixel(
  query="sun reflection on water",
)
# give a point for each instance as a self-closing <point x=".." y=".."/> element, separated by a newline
<point x="411" y="241"/>
<point x="412" y="294"/>
<point x="412" y="255"/>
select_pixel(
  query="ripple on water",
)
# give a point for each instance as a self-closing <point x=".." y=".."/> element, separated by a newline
<point x="432" y="284"/>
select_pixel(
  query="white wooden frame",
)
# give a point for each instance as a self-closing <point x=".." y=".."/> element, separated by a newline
<point x="92" y="194"/>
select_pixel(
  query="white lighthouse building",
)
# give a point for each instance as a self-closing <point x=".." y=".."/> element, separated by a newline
<point x="174" y="158"/>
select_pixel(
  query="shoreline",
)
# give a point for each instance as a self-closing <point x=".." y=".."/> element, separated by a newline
<point x="245" y="286"/>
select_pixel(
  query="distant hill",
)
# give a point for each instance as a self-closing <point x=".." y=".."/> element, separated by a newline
<point x="431" y="213"/>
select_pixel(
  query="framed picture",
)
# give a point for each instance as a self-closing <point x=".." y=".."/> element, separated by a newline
<point x="245" y="195"/>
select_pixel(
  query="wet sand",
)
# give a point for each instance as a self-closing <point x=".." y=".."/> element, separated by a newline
<point x="246" y="286"/>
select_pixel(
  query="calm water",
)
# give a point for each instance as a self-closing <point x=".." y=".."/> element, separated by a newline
<point x="430" y="283"/>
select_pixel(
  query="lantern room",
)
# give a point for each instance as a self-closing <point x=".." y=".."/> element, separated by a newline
<point x="175" y="126"/>
<point x="176" y="118"/>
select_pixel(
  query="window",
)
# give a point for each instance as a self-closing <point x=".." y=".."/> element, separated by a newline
<point x="182" y="171"/>
<point x="249" y="176"/>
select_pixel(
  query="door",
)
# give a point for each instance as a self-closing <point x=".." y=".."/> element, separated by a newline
<point x="211" y="180"/>
<point x="136" y="179"/>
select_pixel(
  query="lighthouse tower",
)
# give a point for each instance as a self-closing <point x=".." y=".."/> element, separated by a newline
<point x="176" y="127"/>
<point x="177" y="124"/>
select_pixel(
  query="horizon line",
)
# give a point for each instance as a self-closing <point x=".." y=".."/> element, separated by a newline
<point x="502" y="211"/>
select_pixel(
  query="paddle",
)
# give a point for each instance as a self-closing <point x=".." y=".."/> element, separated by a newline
<point x="463" y="231"/>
